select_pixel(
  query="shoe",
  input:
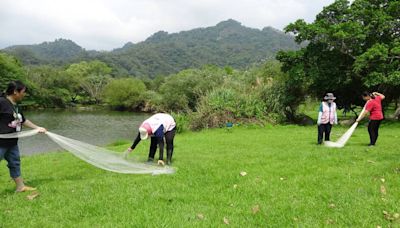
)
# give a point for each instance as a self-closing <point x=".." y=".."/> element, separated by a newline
<point x="160" y="162"/>
<point x="25" y="189"/>
<point x="371" y="145"/>
<point x="169" y="162"/>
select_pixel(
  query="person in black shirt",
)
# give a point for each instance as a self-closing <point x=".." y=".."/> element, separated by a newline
<point x="11" y="119"/>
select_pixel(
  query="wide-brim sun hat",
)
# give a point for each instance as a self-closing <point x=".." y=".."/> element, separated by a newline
<point x="143" y="133"/>
<point x="329" y="96"/>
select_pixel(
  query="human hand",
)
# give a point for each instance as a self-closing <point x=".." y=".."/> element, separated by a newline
<point x="41" y="129"/>
<point x="129" y="149"/>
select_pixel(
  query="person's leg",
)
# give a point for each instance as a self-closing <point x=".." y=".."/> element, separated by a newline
<point x="161" y="148"/>
<point x="14" y="165"/>
<point x="153" y="148"/>
<point x="2" y="152"/>
<point x="328" y="128"/>
<point x="320" y="133"/>
<point x="169" y="138"/>
<point x="376" y="130"/>
<point x="372" y="132"/>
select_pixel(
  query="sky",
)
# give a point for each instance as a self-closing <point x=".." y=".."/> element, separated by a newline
<point x="109" y="24"/>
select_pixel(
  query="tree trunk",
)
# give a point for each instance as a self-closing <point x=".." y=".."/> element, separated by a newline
<point x="397" y="114"/>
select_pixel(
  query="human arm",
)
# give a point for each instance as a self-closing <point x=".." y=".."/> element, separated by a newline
<point x="378" y="94"/>
<point x="363" y="113"/>
<point x="28" y="123"/>
<point x="319" y="115"/>
<point x="336" y="119"/>
<point x="137" y="140"/>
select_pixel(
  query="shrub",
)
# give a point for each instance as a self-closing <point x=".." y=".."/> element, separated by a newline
<point x="125" y="93"/>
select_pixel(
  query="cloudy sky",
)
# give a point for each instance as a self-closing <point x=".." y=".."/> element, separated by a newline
<point x="109" y="24"/>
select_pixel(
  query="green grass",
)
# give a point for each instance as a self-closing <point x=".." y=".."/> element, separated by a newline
<point x="294" y="182"/>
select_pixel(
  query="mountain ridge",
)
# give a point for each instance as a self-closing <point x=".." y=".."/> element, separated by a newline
<point x="228" y="43"/>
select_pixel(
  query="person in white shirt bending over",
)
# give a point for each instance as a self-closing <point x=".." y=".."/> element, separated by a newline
<point x="157" y="127"/>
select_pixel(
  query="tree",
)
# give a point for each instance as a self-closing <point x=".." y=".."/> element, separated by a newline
<point x="50" y="86"/>
<point x="351" y="47"/>
<point x="93" y="77"/>
<point x="125" y="93"/>
<point x="181" y="91"/>
<point x="10" y="69"/>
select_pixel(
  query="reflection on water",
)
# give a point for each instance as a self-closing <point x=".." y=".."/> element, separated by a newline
<point x="93" y="127"/>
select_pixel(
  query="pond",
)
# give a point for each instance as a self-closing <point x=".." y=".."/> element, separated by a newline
<point x="98" y="127"/>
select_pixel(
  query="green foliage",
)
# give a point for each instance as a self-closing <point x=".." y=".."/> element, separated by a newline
<point x="126" y="93"/>
<point x="59" y="52"/>
<point x="49" y="86"/>
<point x="351" y="47"/>
<point x="181" y="92"/>
<point x="93" y="76"/>
<point x="10" y="69"/>
<point x="151" y="102"/>
<point x="182" y="121"/>
<point x="226" y="44"/>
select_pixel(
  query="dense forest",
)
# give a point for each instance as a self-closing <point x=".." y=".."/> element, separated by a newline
<point x="226" y="44"/>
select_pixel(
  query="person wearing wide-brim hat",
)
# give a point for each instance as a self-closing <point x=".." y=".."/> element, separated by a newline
<point x="158" y="127"/>
<point x="327" y="116"/>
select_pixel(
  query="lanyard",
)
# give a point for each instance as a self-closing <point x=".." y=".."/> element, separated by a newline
<point x="14" y="108"/>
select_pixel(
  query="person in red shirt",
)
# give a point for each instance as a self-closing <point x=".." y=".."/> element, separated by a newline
<point x="373" y="106"/>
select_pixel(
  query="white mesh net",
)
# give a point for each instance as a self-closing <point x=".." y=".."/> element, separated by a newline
<point x="343" y="139"/>
<point x="97" y="156"/>
<point x="21" y="134"/>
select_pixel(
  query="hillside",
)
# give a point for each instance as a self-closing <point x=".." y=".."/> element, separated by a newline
<point x="58" y="52"/>
<point x="226" y="44"/>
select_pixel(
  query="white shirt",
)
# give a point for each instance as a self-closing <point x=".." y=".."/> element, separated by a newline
<point x="156" y="120"/>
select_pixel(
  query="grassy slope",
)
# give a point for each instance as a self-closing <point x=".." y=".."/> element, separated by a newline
<point x="294" y="182"/>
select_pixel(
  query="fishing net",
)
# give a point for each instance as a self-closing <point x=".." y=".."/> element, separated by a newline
<point x="97" y="156"/>
<point x="20" y="134"/>
<point x="343" y="139"/>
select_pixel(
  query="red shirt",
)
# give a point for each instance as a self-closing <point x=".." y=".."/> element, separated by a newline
<point x="374" y="106"/>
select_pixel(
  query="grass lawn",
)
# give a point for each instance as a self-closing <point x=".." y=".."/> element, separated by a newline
<point x="290" y="182"/>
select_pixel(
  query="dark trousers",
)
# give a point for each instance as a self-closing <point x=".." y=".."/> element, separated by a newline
<point x="169" y="140"/>
<point x="324" y="129"/>
<point x="373" y="130"/>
